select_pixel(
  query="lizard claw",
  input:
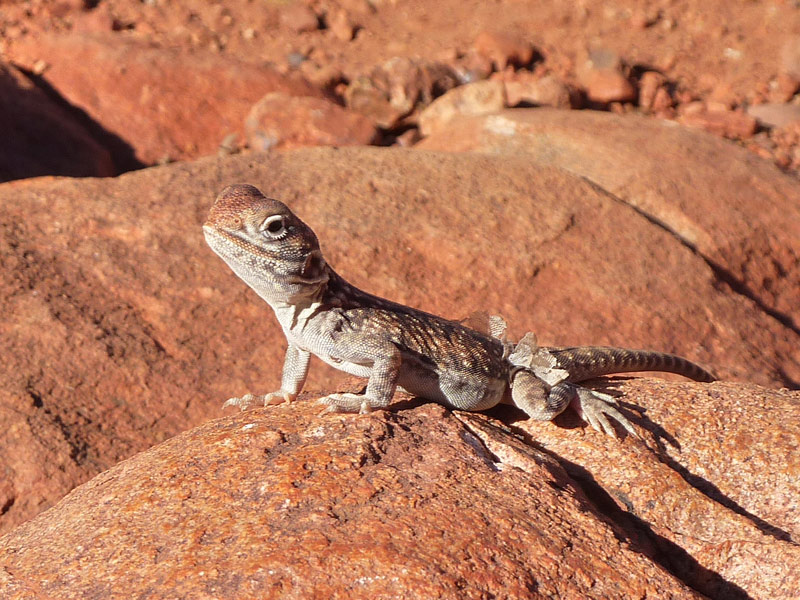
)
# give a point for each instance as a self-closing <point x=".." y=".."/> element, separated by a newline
<point x="250" y="400"/>
<point x="278" y="397"/>
<point x="346" y="403"/>
<point x="595" y="408"/>
<point x="244" y="402"/>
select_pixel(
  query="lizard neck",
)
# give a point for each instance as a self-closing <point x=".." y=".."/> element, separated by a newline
<point x="295" y="303"/>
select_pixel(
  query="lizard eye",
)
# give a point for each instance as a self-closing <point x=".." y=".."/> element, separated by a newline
<point x="274" y="227"/>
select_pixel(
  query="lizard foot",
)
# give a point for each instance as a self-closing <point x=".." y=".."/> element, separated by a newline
<point x="347" y="403"/>
<point x="250" y="400"/>
<point x="595" y="408"/>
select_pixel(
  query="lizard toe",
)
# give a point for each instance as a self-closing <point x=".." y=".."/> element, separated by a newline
<point x="245" y="402"/>
<point x="343" y="402"/>
<point x="278" y="397"/>
<point x="596" y="408"/>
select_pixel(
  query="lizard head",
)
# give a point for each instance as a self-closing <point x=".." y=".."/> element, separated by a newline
<point x="265" y="244"/>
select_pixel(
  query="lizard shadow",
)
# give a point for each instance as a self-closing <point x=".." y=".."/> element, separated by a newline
<point x="627" y="527"/>
<point x="661" y="437"/>
<point x="612" y="508"/>
<point x="568" y="419"/>
<point x="643" y="539"/>
<point x="638" y="534"/>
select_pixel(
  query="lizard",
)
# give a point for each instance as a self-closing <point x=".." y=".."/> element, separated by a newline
<point x="393" y="346"/>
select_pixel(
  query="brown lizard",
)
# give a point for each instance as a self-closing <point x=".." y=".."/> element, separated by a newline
<point x="393" y="345"/>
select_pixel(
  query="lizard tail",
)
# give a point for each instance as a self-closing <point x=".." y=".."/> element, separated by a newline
<point x="587" y="362"/>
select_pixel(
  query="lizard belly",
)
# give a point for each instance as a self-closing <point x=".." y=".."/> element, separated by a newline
<point x="451" y="388"/>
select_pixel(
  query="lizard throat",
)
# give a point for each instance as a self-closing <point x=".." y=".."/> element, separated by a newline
<point x="313" y="267"/>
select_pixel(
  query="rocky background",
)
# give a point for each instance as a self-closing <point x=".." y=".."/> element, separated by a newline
<point x="609" y="173"/>
<point x="129" y="83"/>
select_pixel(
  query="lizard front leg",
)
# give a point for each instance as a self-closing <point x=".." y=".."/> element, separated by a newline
<point x="380" y="387"/>
<point x="293" y="378"/>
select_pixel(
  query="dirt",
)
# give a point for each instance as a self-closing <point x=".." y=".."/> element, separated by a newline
<point x="722" y="57"/>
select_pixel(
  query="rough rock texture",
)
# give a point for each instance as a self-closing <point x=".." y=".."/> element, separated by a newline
<point x="159" y="104"/>
<point x="282" y="121"/>
<point x="423" y="502"/>
<point x="735" y="54"/>
<point x="539" y="91"/>
<point x="40" y="138"/>
<point x="120" y="327"/>
<point x="775" y="115"/>
<point x="476" y="98"/>
<point x="397" y="87"/>
<point x="724" y="488"/>
<point x="282" y="503"/>
<point x="737" y="210"/>
<point x="601" y="74"/>
<point x="723" y="122"/>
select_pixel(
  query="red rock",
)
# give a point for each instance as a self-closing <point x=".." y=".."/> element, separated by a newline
<point x="693" y="107"/>
<point x="341" y="26"/>
<point x="282" y="121"/>
<point x="120" y="329"/>
<point x="790" y="57"/>
<point x="775" y="115"/>
<point x="409" y="83"/>
<point x="396" y="88"/>
<point x="726" y="123"/>
<point x="363" y="7"/>
<point x="408" y="138"/>
<point x="476" y="98"/>
<point x="601" y="59"/>
<point x="735" y="516"/>
<point x="650" y="86"/>
<point x="299" y="18"/>
<point x="755" y="239"/>
<point x="640" y="19"/>
<point x="784" y="88"/>
<point x="157" y="103"/>
<point x="40" y="138"/>
<point x="503" y="49"/>
<point x="326" y="78"/>
<point x="601" y="76"/>
<point x="540" y="91"/>
<point x="98" y="20"/>
<point x="663" y="103"/>
<point x="723" y="96"/>
<point x="472" y="67"/>
<point x="606" y="86"/>
<point x="363" y="97"/>
<point x="415" y="504"/>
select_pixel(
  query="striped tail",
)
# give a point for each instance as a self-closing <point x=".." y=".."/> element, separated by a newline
<point x="586" y="362"/>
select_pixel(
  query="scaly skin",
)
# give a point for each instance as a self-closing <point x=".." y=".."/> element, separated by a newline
<point x="393" y="345"/>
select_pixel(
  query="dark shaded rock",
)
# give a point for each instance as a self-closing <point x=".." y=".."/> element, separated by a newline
<point x="40" y="138"/>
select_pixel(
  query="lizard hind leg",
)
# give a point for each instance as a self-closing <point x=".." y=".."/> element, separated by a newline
<point x="536" y="398"/>
<point x="543" y="403"/>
